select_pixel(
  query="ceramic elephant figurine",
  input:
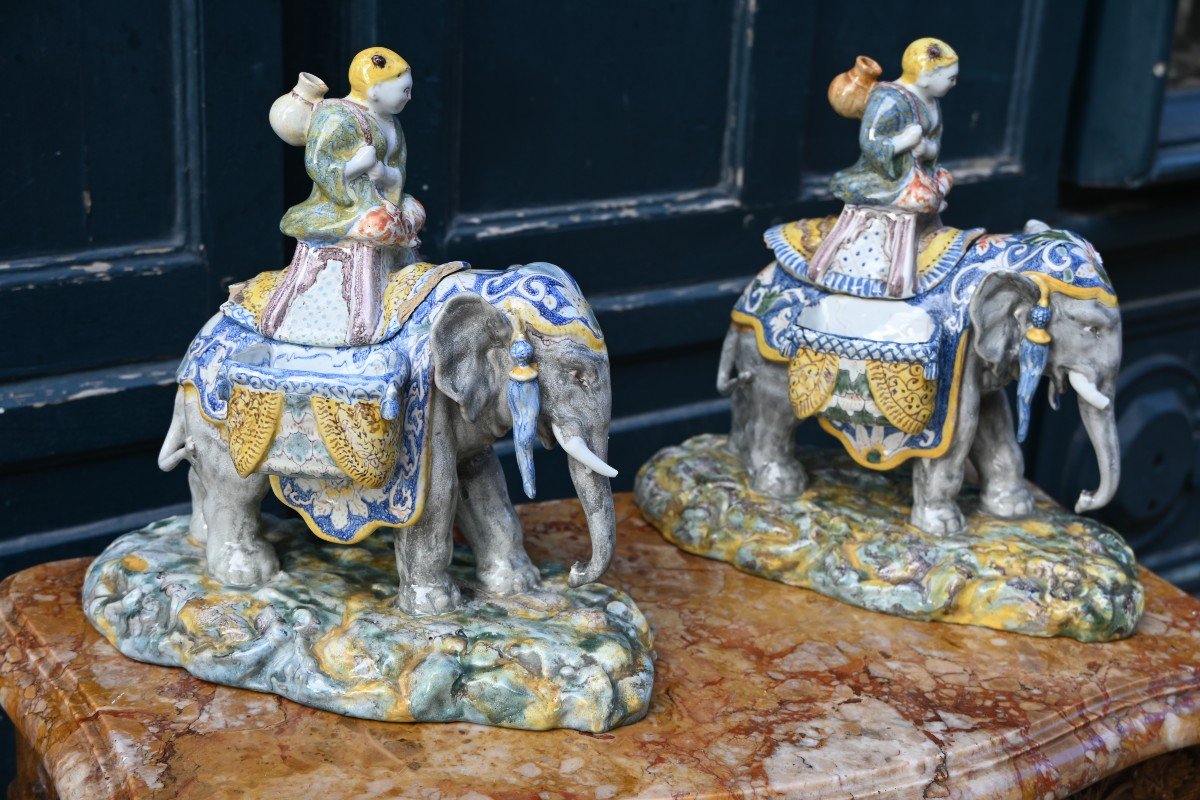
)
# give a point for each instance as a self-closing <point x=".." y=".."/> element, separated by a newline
<point x="922" y="377"/>
<point x="398" y="434"/>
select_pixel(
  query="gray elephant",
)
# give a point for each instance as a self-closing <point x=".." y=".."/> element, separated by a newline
<point x="399" y="434"/>
<point x="922" y="378"/>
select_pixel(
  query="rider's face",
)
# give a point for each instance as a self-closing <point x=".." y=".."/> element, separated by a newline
<point x="938" y="82"/>
<point x="391" y="96"/>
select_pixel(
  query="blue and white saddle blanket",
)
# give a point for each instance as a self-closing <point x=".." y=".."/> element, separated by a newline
<point x="883" y="375"/>
<point x="343" y="432"/>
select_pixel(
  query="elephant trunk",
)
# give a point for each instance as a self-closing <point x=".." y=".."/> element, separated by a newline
<point x="590" y="476"/>
<point x="1101" y="426"/>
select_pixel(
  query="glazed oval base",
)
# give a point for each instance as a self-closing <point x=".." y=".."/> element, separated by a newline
<point x="1050" y="574"/>
<point x="324" y="632"/>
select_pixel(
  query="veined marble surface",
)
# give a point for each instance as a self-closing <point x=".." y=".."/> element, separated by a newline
<point x="325" y="631"/>
<point x="761" y="689"/>
<point x="1050" y="574"/>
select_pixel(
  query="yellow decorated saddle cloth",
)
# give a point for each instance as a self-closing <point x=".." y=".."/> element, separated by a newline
<point x="880" y="375"/>
<point x="939" y="249"/>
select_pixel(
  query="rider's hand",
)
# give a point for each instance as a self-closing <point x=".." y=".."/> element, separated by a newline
<point x="383" y="175"/>
<point x="360" y="162"/>
<point x="906" y="139"/>
<point x="926" y="149"/>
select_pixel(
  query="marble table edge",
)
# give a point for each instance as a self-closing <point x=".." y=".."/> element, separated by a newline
<point x="106" y="775"/>
<point x="1063" y="733"/>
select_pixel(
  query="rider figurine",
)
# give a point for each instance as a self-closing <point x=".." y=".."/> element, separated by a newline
<point x="357" y="226"/>
<point x="896" y="189"/>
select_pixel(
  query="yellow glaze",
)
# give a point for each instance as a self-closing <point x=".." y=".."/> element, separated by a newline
<point x="745" y="321"/>
<point x="903" y="393"/>
<point x="360" y="441"/>
<point x="370" y="527"/>
<point x="900" y="457"/>
<point x="525" y="315"/>
<point x="925" y="55"/>
<point x="1048" y="574"/>
<point x="251" y="426"/>
<point x="523" y="374"/>
<point x="1054" y="285"/>
<point x="806" y="235"/>
<point x="134" y="563"/>
<point x="936" y="247"/>
<point x="254" y="294"/>
<point x="811" y="380"/>
<point x="399" y="298"/>
<point x="371" y="66"/>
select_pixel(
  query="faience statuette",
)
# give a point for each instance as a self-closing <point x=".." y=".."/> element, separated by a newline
<point x="365" y="387"/>
<point x="899" y="333"/>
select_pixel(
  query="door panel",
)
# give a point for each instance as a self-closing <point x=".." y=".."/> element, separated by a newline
<point x="549" y="119"/>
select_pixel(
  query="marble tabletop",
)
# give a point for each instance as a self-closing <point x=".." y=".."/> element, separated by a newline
<point x="761" y="690"/>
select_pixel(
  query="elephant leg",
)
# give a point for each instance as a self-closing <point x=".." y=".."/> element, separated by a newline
<point x="998" y="458"/>
<point x="236" y="551"/>
<point x="488" y="521"/>
<point x="424" y="549"/>
<point x="764" y="426"/>
<point x="937" y="481"/>
<point x="197" y="527"/>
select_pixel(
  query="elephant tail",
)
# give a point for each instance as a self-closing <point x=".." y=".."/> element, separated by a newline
<point x="728" y="378"/>
<point x="174" y="447"/>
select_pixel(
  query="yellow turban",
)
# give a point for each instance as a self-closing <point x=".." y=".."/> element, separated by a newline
<point x="371" y="66"/>
<point x="925" y="55"/>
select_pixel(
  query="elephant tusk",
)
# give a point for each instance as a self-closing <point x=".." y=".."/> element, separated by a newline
<point x="1087" y="390"/>
<point x="579" y="451"/>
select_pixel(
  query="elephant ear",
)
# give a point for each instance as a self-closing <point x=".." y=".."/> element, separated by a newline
<point x="466" y="344"/>
<point x="999" y="309"/>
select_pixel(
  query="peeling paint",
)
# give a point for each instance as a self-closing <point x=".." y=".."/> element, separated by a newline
<point x="553" y="218"/>
<point x="96" y="391"/>
<point x="94" y="268"/>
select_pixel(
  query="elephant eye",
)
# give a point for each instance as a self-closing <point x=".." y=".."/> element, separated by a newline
<point x="580" y="378"/>
<point x="1092" y="329"/>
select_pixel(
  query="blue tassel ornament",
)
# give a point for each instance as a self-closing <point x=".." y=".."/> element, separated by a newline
<point x="524" y="401"/>
<point x="1035" y="350"/>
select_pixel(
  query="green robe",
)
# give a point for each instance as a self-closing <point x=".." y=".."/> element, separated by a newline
<point x="330" y="213"/>
<point x="882" y="177"/>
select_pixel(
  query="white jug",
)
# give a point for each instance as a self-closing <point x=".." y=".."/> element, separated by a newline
<point x="291" y="113"/>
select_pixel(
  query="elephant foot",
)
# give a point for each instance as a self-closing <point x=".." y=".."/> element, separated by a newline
<point x="510" y="576"/>
<point x="198" y="528"/>
<point x="421" y="600"/>
<point x="243" y="565"/>
<point x="779" y="479"/>
<point x="1011" y="501"/>
<point x="939" y="519"/>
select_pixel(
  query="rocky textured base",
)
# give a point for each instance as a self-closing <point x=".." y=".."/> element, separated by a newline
<point x="324" y="632"/>
<point x="848" y="537"/>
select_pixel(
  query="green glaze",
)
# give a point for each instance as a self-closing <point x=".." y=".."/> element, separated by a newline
<point x="335" y="205"/>
<point x="324" y="632"/>
<point x="848" y="537"/>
